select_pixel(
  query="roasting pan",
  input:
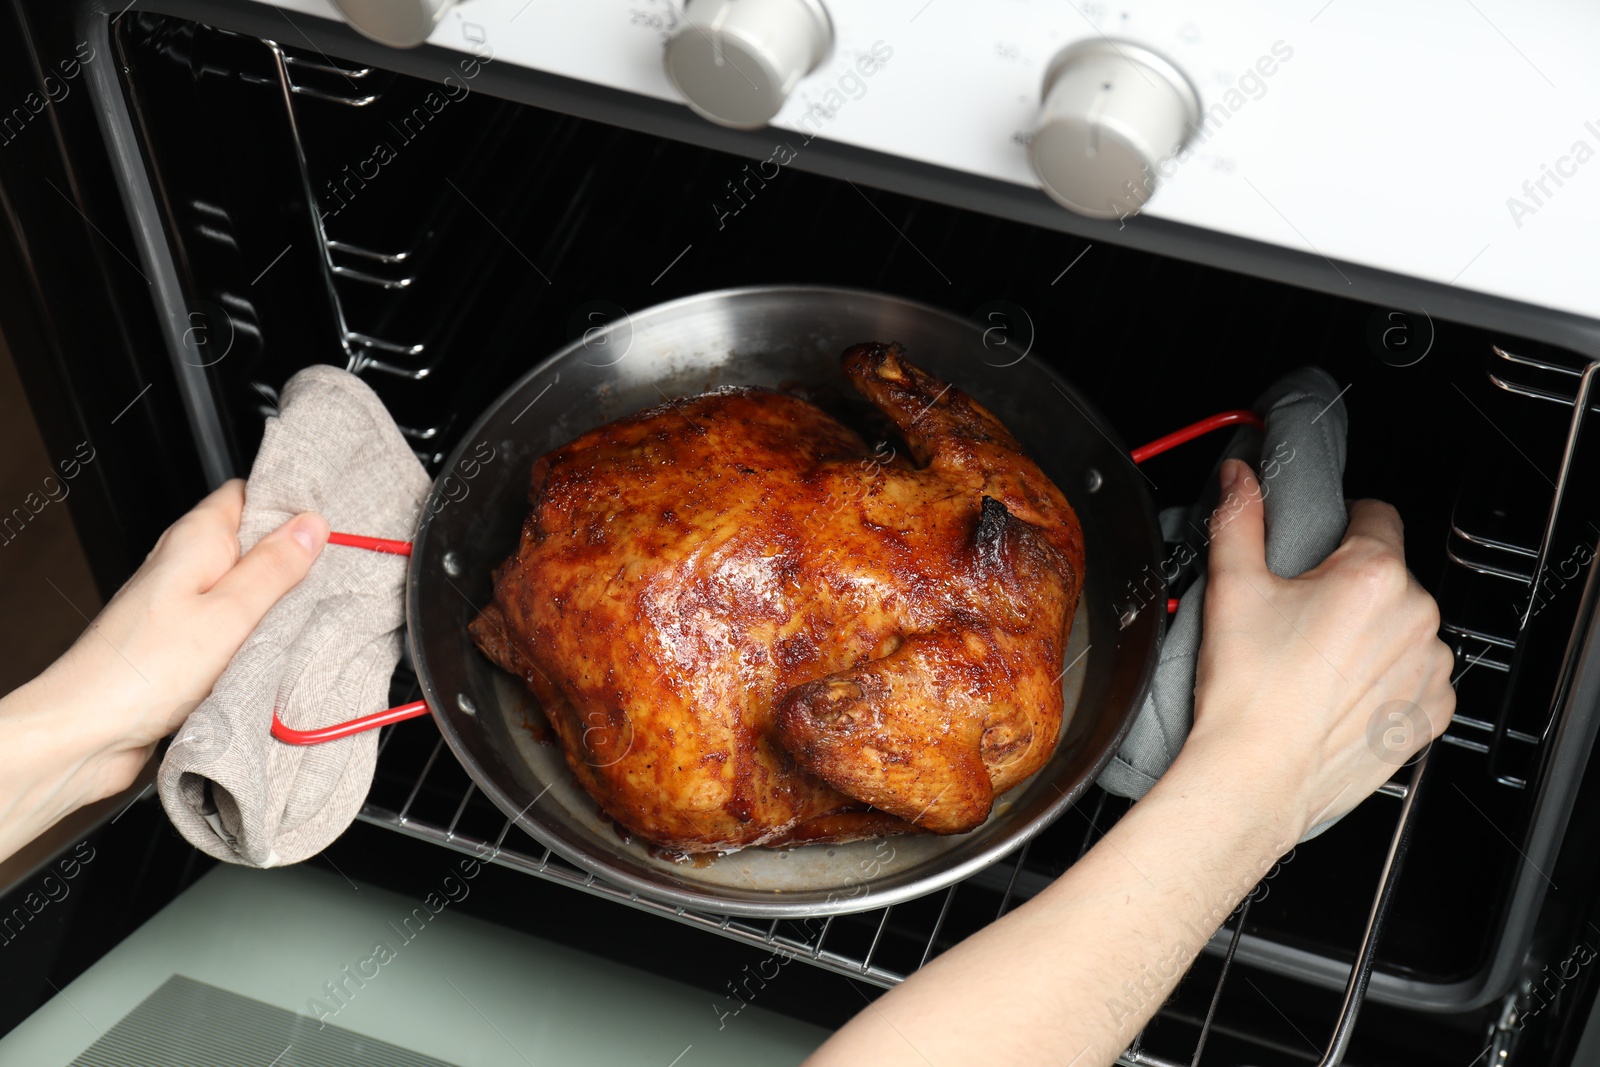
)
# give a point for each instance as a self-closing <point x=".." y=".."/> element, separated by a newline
<point x="777" y="336"/>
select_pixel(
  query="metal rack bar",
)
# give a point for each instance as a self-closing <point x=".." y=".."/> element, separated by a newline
<point x="383" y="741"/>
<point x="938" y="924"/>
<point x="405" y="810"/>
<point x="1481" y="659"/>
<point x="356" y="346"/>
<point x="303" y="164"/>
<point x="1222" y="979"/>
<point x="1092" y="833"/>
<point x="366" y="278"/>
<point x="363" y="351"/>
<point x="1361" y="974"/>
<point x="1488" y="569"/>
<point x="455" y="820"/>
<point x="327" y="67"/>
<point x="1489" y="542"/>
<point x="346" y="248"/>
<point x="1480" y="724"/>
<point x="1011" y="884"/>
<point x="866" y="962"/>
<point x="1533" y="391"/>
<point x="368" y="341"/>
<point x="1141" y="1058"/>
<point x="332" y="98"/>
<point x="1580" y="408"/>
<point x="1478" y="635"/>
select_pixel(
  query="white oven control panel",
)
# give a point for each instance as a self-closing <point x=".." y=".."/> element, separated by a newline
<point x="1449" y="141"/>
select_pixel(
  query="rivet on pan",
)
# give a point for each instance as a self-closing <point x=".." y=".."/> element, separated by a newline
<point x="452" y="564"/>
<point x="1092" y="481"/>
<point x="465" y="703"/>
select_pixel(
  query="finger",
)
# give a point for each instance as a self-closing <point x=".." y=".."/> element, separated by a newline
<point x="1377" y="521"/>
<point x="1238" y="535"/>
<point x="218" y="511"/>
<point x="199" y="548"/>
<point x="1419" y="695"/>
<point x="221" y="508"/>
<point x="226" y="502"/>
<point x="270" y="569"/>
<point x="1440" y="702"/>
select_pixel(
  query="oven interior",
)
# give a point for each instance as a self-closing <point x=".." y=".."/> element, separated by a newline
<point x="465" y="237"/>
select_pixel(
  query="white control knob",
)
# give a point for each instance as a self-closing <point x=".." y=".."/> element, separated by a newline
<point x="735" y="61"/>
<point x="1115" y="115"/>
<point x="396" y="23"/>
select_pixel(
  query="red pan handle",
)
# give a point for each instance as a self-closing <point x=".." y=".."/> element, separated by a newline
<point x="290" y="736"/>
<point x="373" y="544"/>
<point x="1193" y="430"/>
<point x="1189" y="433"/>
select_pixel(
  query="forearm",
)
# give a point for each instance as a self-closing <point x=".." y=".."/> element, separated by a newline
<point x="1077" y="971"/>
<point x="56" y="755"/>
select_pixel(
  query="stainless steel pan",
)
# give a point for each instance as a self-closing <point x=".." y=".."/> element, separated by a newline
<point x="771" y="336"/>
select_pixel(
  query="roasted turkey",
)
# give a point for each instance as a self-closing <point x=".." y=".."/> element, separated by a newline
<point x="747" y="628"/>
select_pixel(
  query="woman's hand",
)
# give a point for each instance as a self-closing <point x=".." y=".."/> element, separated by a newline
<point x="1311" y="691"/>
<point x="83" y="729"/>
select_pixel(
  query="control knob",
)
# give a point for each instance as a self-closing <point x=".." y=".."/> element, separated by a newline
<point x="1114" y="114"/>
<point x="735" y="61"/>
<point x="396" y="23"/>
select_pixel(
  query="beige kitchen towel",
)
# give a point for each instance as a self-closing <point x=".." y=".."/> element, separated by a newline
<point x="322" y="655"/>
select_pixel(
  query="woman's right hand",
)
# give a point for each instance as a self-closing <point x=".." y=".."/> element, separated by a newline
<point x="1311" y="691"/>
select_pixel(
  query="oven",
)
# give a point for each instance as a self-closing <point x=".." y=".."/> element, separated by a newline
<point x="203" y="198"/>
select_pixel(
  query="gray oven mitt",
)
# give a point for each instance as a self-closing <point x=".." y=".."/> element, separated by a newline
<point x="322" y="655"/>
<point x="1300" y="462"/>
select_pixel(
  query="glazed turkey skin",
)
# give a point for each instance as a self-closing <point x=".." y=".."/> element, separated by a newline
<point x="747" y="628"/>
